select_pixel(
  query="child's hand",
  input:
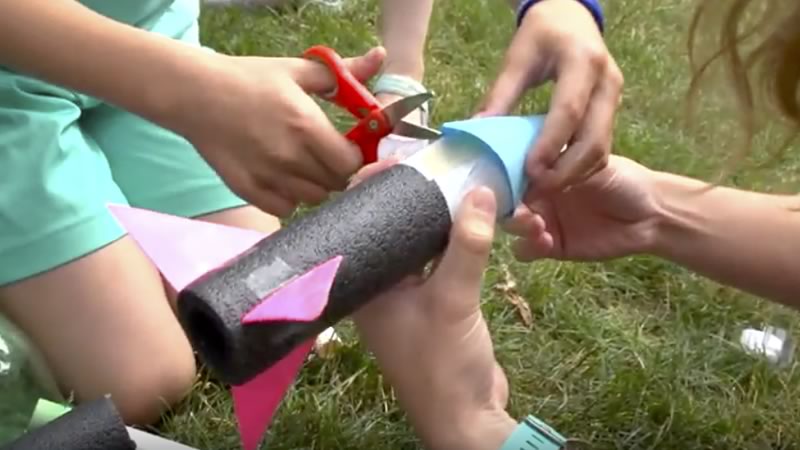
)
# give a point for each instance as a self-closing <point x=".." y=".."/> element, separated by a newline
<point x="559" y="41"/>
<point x="266" y="137"/>
<point x="433" y="344"/>
<point x="251" y="118"/>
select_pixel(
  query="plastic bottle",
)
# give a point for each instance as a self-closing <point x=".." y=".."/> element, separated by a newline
<point x="458" y="165"/>
<point x="24" y="379"/>
<point x="772" y="343"/>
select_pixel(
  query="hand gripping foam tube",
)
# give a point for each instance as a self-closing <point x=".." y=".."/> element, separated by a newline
<point x="386" y="228"/>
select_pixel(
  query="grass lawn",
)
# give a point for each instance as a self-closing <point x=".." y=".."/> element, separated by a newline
<point x="631" y="354"/>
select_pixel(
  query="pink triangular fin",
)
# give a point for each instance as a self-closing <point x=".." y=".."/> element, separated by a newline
<point x="301" y="299"/>
<point x="183" y="249"/>
<point x="255" y="402"/>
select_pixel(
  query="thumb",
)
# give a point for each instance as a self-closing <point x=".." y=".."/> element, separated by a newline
<point x="516" y="75"/>
<point x="315" y="77"/>
<point x="370" y="170"/>
<point x="367" y="65"/>
<point x="459" y="273"/>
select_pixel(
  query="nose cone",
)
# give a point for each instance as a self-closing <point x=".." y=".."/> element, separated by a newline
<point x="509" y="137"/>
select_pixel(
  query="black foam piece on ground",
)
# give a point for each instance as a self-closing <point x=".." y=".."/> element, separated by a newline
<point x="386" y="228"/>
<point x="93" y="425"/>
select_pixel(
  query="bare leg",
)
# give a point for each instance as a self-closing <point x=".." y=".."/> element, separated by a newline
<point x="105" y="325"/>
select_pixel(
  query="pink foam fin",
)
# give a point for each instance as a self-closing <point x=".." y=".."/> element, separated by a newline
<point x="255" y="402"/>
<point x="183" y="249"/>
<point x="302" y="299"/>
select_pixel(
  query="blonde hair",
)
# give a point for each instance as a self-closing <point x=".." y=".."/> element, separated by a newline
<point x="758" y="42"/>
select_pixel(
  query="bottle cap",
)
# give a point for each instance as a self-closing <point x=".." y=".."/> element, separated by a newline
<point x="46" y="411"/>
<point x="775" y="344"/>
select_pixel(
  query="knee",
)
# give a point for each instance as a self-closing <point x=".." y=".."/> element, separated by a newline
<point x="151" y="388"/>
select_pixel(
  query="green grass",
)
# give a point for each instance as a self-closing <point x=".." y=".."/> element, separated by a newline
<point x="633" y="354"/>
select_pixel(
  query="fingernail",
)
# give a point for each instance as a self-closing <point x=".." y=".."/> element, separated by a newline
<point x="483" y="201"/>
<point x="378" y="52"/>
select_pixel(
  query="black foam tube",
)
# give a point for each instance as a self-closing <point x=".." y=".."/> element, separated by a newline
<point x="93" y="425"/>
<point x="386" y="228"/>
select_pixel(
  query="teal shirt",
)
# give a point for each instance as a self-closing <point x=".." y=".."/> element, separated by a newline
<point x="145" y="13"/>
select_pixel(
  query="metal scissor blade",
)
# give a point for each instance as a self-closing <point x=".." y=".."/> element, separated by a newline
<point x="397" y="110"/>
<point x="401" y="108"/>
<point x="412" y="130"/>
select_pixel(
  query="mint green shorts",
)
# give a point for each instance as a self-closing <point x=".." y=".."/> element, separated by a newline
<point x="64" y="156"/>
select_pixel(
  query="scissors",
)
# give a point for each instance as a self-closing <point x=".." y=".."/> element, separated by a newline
<point x="374" y="120"/>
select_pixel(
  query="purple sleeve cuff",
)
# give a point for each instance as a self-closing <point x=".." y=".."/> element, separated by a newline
<point x="592" y="5"/>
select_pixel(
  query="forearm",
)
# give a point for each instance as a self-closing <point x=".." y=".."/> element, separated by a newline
<point x="743" y="239"/>
<point x="65" y="43"/>
<point x="404" y="30"/>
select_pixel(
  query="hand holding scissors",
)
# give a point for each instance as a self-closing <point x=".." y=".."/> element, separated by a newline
<point x="374" y="120"/>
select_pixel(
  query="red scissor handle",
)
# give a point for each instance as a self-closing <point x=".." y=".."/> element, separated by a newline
<point x="367" y="134"/>
<point x="349" y="92"/>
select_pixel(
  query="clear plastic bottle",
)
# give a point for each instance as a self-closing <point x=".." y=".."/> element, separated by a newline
<point x="24" y="379"/>
<point x="772" y="343"/>
<point x="458" y="164"/>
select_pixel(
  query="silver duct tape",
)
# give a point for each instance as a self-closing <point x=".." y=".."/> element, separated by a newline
<point x="261" y="281"/>
<point x="458" y="165"/>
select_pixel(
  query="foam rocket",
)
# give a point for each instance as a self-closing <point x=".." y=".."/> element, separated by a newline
<point x="93" y="425"/>
<point x="252" y="304"/>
